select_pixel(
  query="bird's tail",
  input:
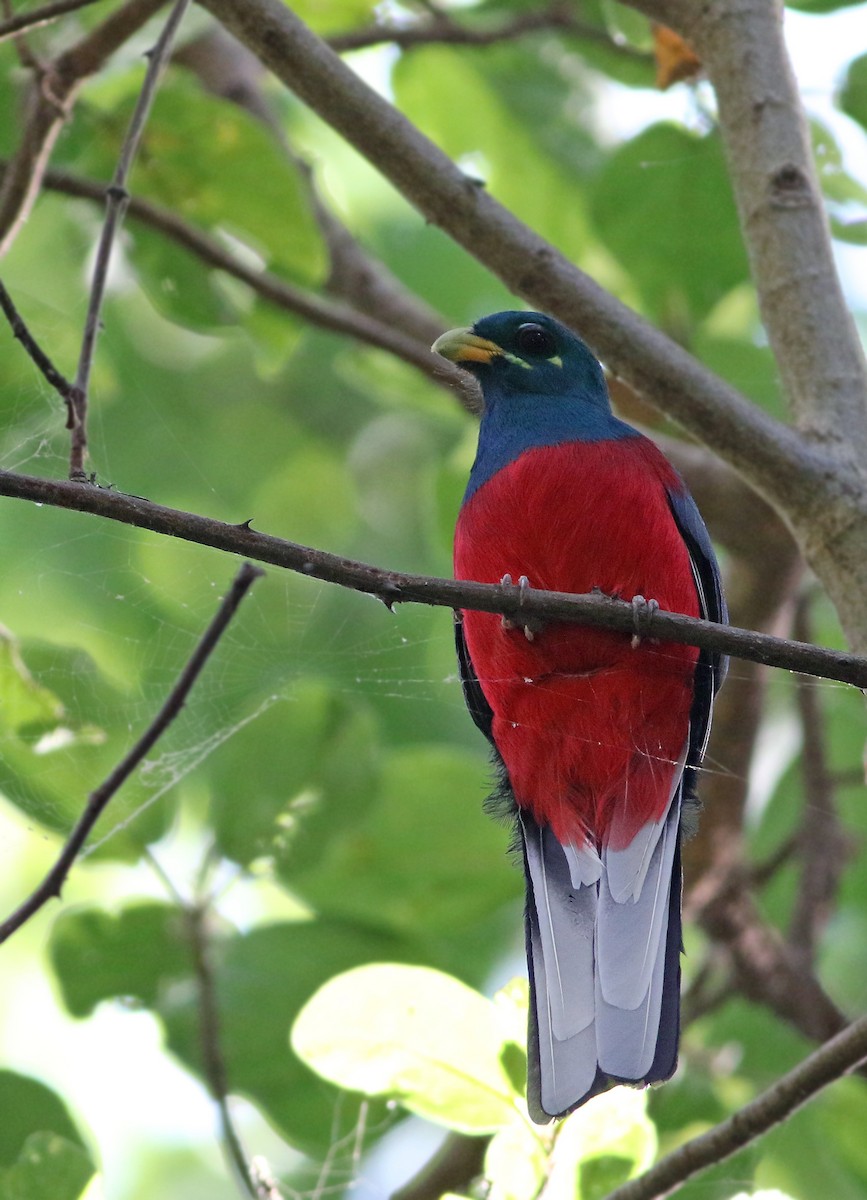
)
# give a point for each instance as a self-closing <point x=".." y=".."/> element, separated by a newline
<point x="603" y="948"/>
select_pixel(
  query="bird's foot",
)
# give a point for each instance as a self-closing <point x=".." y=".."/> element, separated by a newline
<point x="642" y="610"/>
<point x="531" y="628"/>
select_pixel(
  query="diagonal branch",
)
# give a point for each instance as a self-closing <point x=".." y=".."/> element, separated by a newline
<point x="96" y="804"/>
<point x="809" y="326"/>
<point x="830" y="1062"/>
<point x="22" y="334"/>
<point x="328" y="314"/>
<point x="393" y="587"/>
<point x="213" y="1060"/>
<point x="769" y="454"/>
<point x="116" y="201"/>
<point x="48" y="106"/>
<point x="443" y="30"/>
<point x="39" y="16"/>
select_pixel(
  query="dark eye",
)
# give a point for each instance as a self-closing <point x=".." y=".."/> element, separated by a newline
<point x="535" y="339"/>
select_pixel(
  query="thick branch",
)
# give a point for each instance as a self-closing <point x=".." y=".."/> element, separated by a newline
<point x="393" y="587"/>
<point x="811" y="331"/>
<point x="831" y="1061"/>
<point x="767" y="453"/>
<point x="96" y="804"/>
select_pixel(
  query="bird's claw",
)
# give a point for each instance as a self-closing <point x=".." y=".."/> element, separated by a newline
<point x="531" y="628"/>
<point x="642" y="610"/>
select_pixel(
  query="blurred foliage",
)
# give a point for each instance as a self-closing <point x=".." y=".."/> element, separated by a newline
<point x="321" y="794"/>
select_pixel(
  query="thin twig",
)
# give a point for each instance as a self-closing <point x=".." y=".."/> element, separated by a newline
<point x="442" y="30"/>
<point x="39" y="16"/>
<point x="832" y="1060"/>
<point x="365" y="326"/>
<point x="49" y="103"/>
<point x="53" y="882"/>
<point x="394" y="587"/>
<point x="117" y="199"/>
<point x="26" y="57"/>
<point x="20" y="331"/>
<point x="213" y="1061"/>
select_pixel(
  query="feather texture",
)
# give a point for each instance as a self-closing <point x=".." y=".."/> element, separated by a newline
<point x="599" y="739"/>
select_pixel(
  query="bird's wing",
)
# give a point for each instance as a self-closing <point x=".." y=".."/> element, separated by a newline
<point x="711" y="667"/>
<point x="474" y="697"/>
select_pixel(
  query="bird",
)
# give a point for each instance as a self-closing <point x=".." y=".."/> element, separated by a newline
<point x="597" y="736"/>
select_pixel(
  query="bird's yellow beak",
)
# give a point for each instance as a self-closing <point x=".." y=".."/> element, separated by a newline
<point x="462" y="345"/>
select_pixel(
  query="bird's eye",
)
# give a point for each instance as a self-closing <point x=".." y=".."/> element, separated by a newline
<point x="535" y="339"/>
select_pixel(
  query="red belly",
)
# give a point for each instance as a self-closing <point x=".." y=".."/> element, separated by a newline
<point x="589" y="728"/>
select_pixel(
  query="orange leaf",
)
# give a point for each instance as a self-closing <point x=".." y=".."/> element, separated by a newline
<point x="675" y="58"/>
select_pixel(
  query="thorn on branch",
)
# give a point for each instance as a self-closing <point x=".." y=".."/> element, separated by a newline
<point x="390" y="594"/>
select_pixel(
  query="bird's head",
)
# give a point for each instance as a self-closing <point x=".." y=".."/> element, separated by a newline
<point x="525" y="353"/>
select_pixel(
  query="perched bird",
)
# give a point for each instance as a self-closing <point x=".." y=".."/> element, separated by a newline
<point x="597" y="736"/>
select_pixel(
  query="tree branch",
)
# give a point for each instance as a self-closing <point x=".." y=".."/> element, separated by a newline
<point x="452" y="1168"/>
<point x="52" y="884"/>
<point x="443" y="30"/>
<point x="769" y="454"/>
<point x="393" y="587"/>
<point x="22" y="334"/>
<point x="332" y="315"/>
<point x="831" y="1061"/>
<point x="811" y="331"/>
<point x="231" y="71"/>
<point x="51" y="98"/>
<point x="116" y="201"/>
<point x="39" y="16"/>
<point x="213" y="1062"/>
<point x="822" y="844"/>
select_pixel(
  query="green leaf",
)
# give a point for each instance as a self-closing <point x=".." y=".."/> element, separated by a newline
<point x="42" y="1155"/>
<point x="516" y="1162"/>
<point x="246" y="186"/>
<point x="853" y="93"/>
<point x="178" y="283"/>
<point x="319" y="786"/>
<point x="134" y="954"/>
<point x="29" y="1107"/>
<point x="405" y="863"/>
<point x="25" y="704"/>
<point x="49" y="1168"/>
<point x="414" y="1035"/>
<point x="456" y="105"/>
<point x="262" y="979"/>
<point x="601" y="1145"/>
<point x="655" y="205"/>
<point x="142" y="954"/>
<point x="821" y="6"/>
<point x="846" y="197"/>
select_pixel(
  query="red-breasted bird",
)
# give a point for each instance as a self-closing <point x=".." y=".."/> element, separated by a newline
<point x="598" y="736"/>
